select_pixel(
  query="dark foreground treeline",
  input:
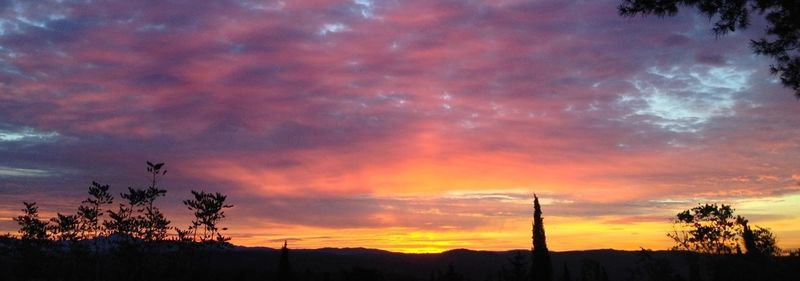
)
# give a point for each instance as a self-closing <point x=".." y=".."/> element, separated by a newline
<point x="123" y="259"/>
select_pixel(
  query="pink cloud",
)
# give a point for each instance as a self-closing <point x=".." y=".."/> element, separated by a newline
<point x="334" y="100"/>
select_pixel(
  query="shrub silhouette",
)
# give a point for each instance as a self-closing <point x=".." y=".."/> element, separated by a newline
<point x="137" y="218"/>
<point x="64" y="227"/>
<point x="91" y="210"/>
<point x="30" y="226"/>
<point x="121" y="222"/>
<point x="208" y="212"/>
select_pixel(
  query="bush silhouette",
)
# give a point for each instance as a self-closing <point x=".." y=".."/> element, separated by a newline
<point x="30" y="226"/>
<point x="91" y="210"/>
<point x="208" y="212"/>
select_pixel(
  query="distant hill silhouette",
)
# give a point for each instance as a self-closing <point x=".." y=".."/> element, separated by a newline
<point x="172" y="262"/>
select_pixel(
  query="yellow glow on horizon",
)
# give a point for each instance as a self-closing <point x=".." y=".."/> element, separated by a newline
<point x="563" y="234"/>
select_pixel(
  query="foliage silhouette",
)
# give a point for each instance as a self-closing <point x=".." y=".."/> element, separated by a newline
<point x="64" y="227"/>
<point x="714" y="229"/>
<point x="139" y="218"/>
<point x="136" y="218"/>
<point x="208" y="212"/>
<point x="151" y="223"/>
<point x="759" y="242"/>
<point x="781" y="41"/>
<point x="31" y="227"/>
<point x="121" y="222"/>
<point x="91" y="210"/>
<point x="708" y="228"/>
<point x="541" y="266"/>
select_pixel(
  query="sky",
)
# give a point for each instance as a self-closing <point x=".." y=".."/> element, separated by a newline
<point x="411" y="126"/>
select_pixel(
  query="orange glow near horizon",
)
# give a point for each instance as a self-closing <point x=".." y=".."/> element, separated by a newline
<point x="562" y="235"/>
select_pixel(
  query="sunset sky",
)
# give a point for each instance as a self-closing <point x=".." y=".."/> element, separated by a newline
<point x="414" y="126"/>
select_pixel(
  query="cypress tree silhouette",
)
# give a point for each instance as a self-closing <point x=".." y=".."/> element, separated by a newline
<point x="749" y="240"/>
<point x="284" y="268"/>
<point x="758" y="241"/>
<point x="541" y="266"/>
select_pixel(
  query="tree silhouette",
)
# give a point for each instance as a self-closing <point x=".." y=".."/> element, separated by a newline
<point x="151" y="222"/>
<point x="140" y="218"/>
<point x="783" y="32"/>
<point x="541" y="266"/>
<point x="120" y="222"/>
<point x="208" y="212"/>
<point x="714" y="229"/>
<point x="749" y="240"/>
<point x="284" y="268"/>
<point x="31" y="227"/>
<point x="760" y="242"/>
<point x="90" y="210"/>
<point x="708" y="228"/>
<point x="64" y="227"/>
<point x="765" y="241"/>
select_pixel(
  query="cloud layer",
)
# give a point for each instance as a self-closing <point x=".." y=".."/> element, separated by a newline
<point x="427" y="124"/>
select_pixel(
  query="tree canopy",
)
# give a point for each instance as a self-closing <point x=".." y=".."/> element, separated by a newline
<point x="714" y="229"/>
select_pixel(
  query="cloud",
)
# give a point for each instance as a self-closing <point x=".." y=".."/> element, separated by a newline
<point x="374" y="114"/>
<point x="21" y="172"/>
